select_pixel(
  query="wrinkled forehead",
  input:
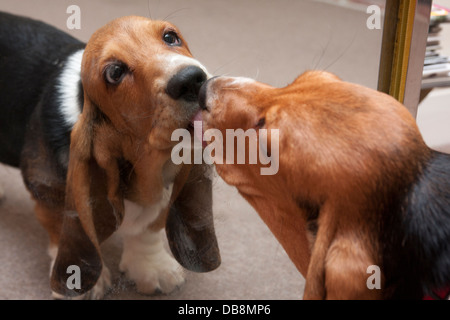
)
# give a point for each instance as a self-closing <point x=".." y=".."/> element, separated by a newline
<point x="129" y="38"/>
<point x="132" y="28"/>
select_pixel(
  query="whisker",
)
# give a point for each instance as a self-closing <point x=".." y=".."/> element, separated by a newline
<point x="225" y="64"/>
<point x="343" y="52"/>
<point x="232" y="88"/>
<point x="324" y="49"/>
<point x="171" y="15"/>
<point x="257" y="74"/>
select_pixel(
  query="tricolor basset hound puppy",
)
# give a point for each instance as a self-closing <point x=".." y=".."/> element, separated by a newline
<point x="356" y="187"/>
<point x="90" y="128"/>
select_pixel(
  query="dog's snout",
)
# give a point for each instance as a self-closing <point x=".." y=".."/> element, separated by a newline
<point x="202" y="95"/>
<point x="186" y="84"/>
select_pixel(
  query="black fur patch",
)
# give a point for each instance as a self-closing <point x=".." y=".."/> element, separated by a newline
<point x="32" y="54"/>
<point x="56" y="130"/>
<point x="426" y="224"/>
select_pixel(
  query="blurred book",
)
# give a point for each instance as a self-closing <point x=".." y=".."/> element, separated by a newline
<point x="436" y="69"/>
<point x="439" y="14"/>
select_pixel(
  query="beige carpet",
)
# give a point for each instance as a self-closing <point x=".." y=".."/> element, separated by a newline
<point x="273" y="41"/>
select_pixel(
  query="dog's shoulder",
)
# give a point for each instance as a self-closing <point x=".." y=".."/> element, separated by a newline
<point x="60" y="106"/>
<point x="23" y="34"/>
<point x="40" y="99"/>
<point x="33" y="56"/>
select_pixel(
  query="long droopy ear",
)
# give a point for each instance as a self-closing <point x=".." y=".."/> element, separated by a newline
<point x="190" y="226"/>
<point x="94" y="205"/>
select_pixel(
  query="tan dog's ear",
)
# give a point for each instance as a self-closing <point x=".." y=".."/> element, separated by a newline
<point x="94" y="205"/>
<point x="190" y="225"/>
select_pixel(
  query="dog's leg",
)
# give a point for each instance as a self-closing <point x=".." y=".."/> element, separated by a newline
<point x="340" y="258"/>
<point x="315" y="277"/>
<point x="144" y="258"/>
<point x="346" y="267"/>
<point x="149" y="265"/>
<point x="51" y="219"/>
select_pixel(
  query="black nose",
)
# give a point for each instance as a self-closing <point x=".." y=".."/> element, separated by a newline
<point x="186" y="84"/>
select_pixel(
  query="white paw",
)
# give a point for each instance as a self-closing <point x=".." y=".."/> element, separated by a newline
<point x="149" y="265"/>
<point x="160" y="273"/>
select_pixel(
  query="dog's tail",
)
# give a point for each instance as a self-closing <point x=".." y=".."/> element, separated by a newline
<point x="426" y="224"/>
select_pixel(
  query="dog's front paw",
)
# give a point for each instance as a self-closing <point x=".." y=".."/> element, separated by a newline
<point x="150" y="266"/>
<point x="155" y="273"/>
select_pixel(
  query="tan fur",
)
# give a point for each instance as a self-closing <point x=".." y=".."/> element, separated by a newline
<point x="129" y="123"/>
<point x="50" y="219"/>
<point x="342" y="146"/>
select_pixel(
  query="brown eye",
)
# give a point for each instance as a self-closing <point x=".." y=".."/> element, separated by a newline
<point x="115" y="72"/>
<point x="172" y="39"/>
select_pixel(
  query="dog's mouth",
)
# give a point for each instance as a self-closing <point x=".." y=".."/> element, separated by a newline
<point x="195" y="127"/>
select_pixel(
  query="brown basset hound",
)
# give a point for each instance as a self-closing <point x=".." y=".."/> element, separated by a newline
<point x="359" y="202"/>
<point x="90" y="127"/>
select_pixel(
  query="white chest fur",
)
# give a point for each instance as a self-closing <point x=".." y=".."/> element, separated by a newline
<point x="137" y="217"/>
<point x="144" y="259"/>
